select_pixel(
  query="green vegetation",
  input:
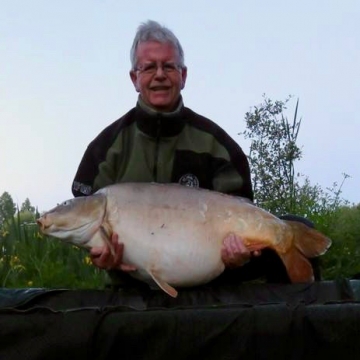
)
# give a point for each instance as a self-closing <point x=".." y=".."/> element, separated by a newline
<point x="28" y="259"/>
<point x="281" y="190"/>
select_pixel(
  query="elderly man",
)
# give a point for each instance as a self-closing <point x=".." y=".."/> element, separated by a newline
<point x="161" y="140"/>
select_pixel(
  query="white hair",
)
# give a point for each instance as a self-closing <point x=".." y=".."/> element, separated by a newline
<point x="153" y="31"/>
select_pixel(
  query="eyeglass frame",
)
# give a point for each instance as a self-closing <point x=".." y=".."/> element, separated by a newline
<point x="152" y="68"/>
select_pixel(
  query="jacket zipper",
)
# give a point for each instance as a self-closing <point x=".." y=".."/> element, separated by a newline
<point x="157" y="146"/>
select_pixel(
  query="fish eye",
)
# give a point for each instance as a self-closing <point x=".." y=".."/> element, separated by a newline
<point x="66" y="203"/>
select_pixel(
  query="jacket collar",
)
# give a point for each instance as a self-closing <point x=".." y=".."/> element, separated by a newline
<point x="159" y="124"/>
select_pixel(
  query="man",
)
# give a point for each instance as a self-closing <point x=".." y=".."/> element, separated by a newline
<point x="160" y="140"/>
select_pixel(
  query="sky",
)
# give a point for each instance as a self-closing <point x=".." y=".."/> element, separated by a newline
<point x="64" y="76"/>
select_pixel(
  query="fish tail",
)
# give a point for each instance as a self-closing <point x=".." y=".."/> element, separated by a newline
<point x="306" y="243"/>
<point x="309" y="241"/>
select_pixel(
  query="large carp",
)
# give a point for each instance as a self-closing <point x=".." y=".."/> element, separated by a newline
<point x="173" y="234"/>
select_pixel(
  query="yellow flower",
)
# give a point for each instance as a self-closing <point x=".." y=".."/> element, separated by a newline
<point x="30" y="283"/>
<point x="87" y="260"/>
<point x="15" y="263"/>
<point x="19" y="267"/>
<point x="14" y="260"/>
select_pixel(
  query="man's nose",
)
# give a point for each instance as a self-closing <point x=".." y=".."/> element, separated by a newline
<point x="160" y="72"/>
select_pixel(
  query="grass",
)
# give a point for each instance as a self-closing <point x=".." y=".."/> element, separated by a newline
<point x="29" y="259"/>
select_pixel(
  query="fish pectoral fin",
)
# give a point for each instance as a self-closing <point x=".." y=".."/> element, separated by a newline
<point x="105" y="232"/>
<point x="163" y="285"/>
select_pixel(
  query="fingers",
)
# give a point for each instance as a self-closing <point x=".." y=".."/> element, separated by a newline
<point x="104" y="258"/>
<point x="101" y="257"/>
<point x="96" y="251"/>
<point x="127" y="268"/>
<point x="118" y="252"/>
<point x="256" y="253"/>
<point x="234" y="253"/>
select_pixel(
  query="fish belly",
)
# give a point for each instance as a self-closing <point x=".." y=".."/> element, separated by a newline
<point x="179" y="253"/>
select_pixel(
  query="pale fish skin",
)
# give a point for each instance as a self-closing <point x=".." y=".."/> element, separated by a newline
<point x="173" y="234"/>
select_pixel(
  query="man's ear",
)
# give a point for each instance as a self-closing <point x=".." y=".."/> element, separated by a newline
<point x="134" y="79"/>
<point x="183" y="76"/>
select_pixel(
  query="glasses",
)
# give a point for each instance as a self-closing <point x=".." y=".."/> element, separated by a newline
<point x="152" y="68"/>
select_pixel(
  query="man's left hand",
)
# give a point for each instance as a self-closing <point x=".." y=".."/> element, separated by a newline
<point x="234" y="253"/>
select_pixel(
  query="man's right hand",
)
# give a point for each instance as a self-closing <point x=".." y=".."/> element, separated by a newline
<point x="103" y="258"/>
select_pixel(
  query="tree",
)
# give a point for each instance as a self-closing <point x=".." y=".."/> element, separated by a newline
<point x="273" y="151"/>
<point x="277" y="187"/>
<point x="26" y="206"/>
<point x="7" y="207"/>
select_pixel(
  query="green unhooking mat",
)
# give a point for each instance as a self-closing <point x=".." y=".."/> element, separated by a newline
<point x="248" y="321"/>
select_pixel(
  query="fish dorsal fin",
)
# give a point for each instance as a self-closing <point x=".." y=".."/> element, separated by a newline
<point x="163" y="284"/>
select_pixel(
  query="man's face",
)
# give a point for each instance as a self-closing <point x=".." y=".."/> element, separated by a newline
<point x="157" y="77"/>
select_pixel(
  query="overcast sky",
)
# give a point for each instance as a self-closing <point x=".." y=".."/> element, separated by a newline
<point x="64" y="77"/>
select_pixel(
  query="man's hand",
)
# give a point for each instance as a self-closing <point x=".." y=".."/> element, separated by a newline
<point x="103" y="258"/>
<point x="234" y="253"/>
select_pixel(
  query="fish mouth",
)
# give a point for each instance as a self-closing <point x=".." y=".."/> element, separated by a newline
<point x="47" y="226"/>
<point x="42" y="225"/>
<point x="50" y="228"/>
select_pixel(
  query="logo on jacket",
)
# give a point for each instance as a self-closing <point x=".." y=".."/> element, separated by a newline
<point x="189" y="180"/>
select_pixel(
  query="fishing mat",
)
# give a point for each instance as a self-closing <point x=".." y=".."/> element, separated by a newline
<point x="251" y="321"/>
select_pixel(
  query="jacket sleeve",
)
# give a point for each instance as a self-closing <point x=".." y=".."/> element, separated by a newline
<point x="230" y="170"/>
<point x="233" y="175"/>
<point x="83" y="183"/>
<point x="230" y="180"/>
<point x="96" y="167"/>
